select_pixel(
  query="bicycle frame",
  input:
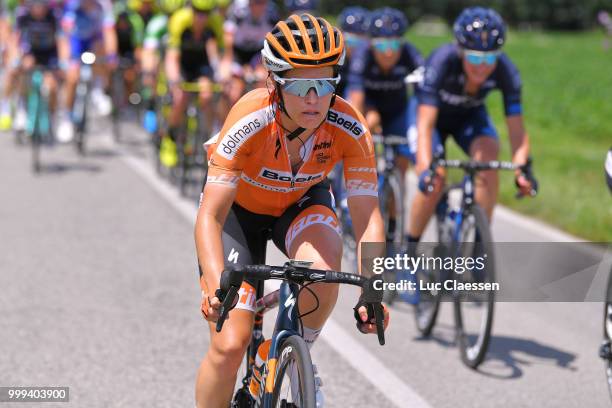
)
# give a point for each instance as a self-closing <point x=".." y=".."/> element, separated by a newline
<point x="286" y="325"/>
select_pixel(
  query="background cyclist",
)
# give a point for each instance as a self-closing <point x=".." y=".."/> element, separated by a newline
<point x="89" y="25"/>
<point x="192" y="53"/>
<point x="458" y="77"/>
<point x="156" y="36"/>
<point x="33" y="41"/>
<point x="244" y="31"/>
<point x="300" y="6"/>
<point x="245" y="203"/>
<point x="376" y="80"/>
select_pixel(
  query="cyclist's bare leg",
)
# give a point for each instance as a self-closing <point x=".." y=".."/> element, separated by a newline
<point x="423" y="207"/>
<point x="50" y="83"/>
<point x="72" y="78"/>
<point x="217" y="373"/>
<point x="485" y="148"/>
<point x="321" y="245"/>
<point x="179" y="103"/>
<point x="205" y="99"/>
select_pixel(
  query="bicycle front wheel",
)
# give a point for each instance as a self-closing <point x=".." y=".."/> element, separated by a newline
<point x="294" y="383"/>
<point x="474" y="308"/>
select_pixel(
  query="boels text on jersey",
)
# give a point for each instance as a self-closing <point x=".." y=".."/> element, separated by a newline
<point x="354" y="127"/>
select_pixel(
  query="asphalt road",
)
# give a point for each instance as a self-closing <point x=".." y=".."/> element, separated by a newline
<point x="99" y="292"/>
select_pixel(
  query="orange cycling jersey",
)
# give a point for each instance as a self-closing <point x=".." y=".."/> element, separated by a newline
<point x="251" y="155"/>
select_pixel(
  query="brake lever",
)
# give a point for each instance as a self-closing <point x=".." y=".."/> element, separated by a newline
<point x="376" y="309"/>
<point x="226" y="306"/>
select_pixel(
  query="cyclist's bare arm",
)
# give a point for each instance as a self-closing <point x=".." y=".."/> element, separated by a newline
<point x="427" y="117"/>
<point x="228" y="43"/>
<point x="357" y="98"/>
<point x="216" y="204"/>
<point x="63" y="48"/>
<point x="519" y="143"/>
<point x="110" y="40"/>
<point x="213" y="52"/>
<point x="367" y="222"/>
<point x="172" y="65"/>
<point x="519" y="140"/>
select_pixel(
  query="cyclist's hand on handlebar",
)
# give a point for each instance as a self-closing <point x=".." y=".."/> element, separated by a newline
<point x="525" y="181"/>
<point x="210" y="307"/>
<point x="369" y="325"/>
<point x="525" y="186"/>
<point x="429" y="181"/>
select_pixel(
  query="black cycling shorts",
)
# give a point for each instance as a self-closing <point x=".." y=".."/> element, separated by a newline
<point x="246" y="234"/>
<point x="194" y="72"/>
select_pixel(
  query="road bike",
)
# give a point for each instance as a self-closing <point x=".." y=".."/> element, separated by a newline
<point x="190" y="149"/>
<point x="38" y="122"/>
<point x="81" y="100"/>
<point x="605" y="350"/>
<point x="118" y="95"/>
<point x="288" y="353"/>
<point x="463" y="233"/>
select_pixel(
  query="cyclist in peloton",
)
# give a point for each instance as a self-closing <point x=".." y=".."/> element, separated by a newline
<point x="8" y="12"/>
<point x="244" y="31"/>
<point x="300" y="6"/>
<point x="376" y="80"/>
<point x="266" y="180"/>
<point x="88" y="25"/>
<point x="457" y="79"/>
<point x="354" y="22"/>
<point x="129" y="27"/>
<point x="192" y="52"/>
<point x="156" y="35"/>
<point x="34" y="42"/>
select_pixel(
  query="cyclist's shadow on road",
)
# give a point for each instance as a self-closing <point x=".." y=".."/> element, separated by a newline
<point x="62" y="168"/>
<point x="515" y="354"/>
<point x="509" y="356"/>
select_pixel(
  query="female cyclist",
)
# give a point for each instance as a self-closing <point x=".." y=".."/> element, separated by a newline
<point x="267" y="180"/>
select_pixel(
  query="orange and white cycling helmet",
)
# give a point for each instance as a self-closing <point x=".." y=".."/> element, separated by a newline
<point x="303" y="41"/>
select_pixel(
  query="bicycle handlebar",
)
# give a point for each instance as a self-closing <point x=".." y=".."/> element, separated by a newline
<point x="232" y="278"/>
<point x="390" y="140"/>
<point x="473" y="166"/>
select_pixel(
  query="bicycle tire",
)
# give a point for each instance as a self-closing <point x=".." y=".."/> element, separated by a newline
<point x="117" y="89"/>
<point x="34" y="108"/>
<point x="392" y="194"/>
<point x="474" y="352"/>
<point x="427" y="309"/>
<point x="392" y="189"/>
<point x="607" y="331"/>
<point x="294" y="350"/>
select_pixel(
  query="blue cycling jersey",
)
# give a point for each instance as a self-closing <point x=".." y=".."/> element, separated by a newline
<point x="87" y="23"/>
<point x="385" y="91"/>
<point x="444" y="82"/>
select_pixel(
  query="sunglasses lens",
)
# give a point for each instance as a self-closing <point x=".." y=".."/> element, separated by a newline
<point x="477" y="59"/>
<point x="490" y="59"/>
<point x="302" y="87"/>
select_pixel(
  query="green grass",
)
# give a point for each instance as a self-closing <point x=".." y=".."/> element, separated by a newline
<point x="567" y="107"/>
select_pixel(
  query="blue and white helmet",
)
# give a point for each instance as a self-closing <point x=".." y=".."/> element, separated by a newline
<point x="354" y="20"/>
<point x="294" y="6"/>
<point x="387" y="22"/>
<point x="480" y="29"/>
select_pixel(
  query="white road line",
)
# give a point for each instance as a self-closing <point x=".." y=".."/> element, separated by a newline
<point x="392" y="387"/>
<point x="389" y="384"/>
